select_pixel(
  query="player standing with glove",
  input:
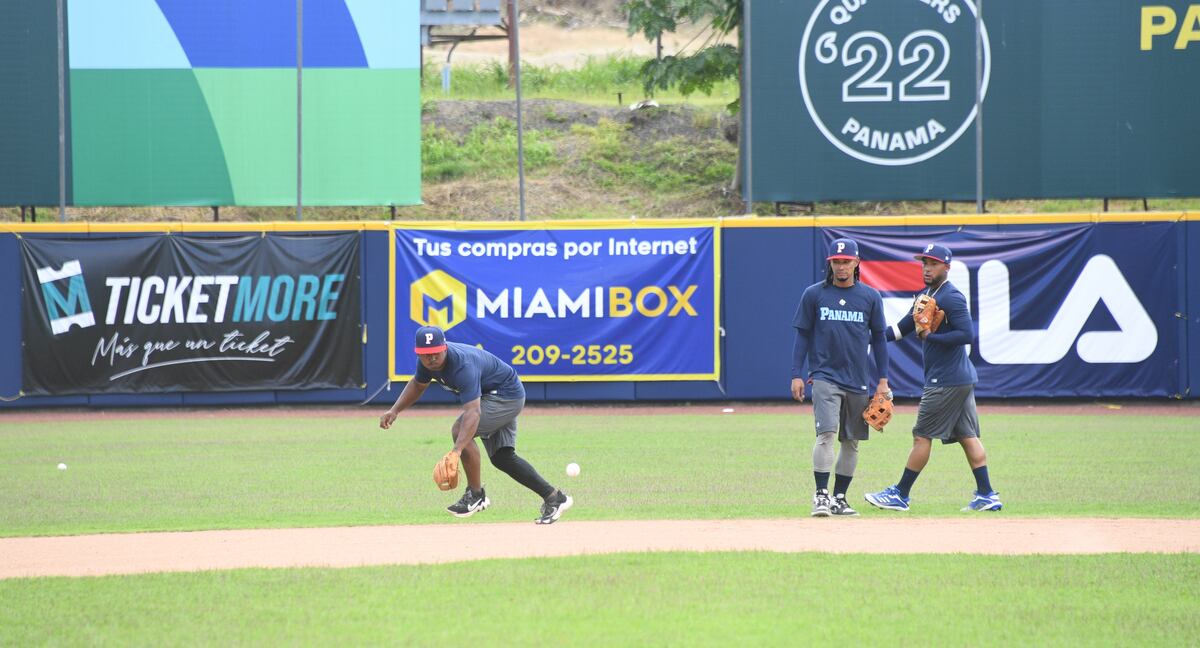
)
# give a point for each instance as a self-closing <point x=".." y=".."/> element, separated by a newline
<point x="835" y="322"/>
<point x="947" y="411"/>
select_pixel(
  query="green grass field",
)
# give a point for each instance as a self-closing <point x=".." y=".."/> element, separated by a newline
<point x="717" y="599"/>
<point x="208" y="472"/>
<point x="197" y="472"/>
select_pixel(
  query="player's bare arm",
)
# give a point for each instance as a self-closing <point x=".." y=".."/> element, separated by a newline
<point x="468" y="425"/>
<point x="799" y="352"/>
<point x="411" y="394"/>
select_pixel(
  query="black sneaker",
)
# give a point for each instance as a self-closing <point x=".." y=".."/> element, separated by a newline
<point x="821" y="504"/>
<point x="839" y="506"/>
<point x="554" y="507"/>
<point x="469" y="504"/>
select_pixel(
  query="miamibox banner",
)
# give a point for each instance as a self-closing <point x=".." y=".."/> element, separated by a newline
<point x="566" y="303"/>
<point x="172" y="313"/>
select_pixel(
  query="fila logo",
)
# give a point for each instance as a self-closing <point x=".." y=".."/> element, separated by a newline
<point x="429" y="338"/>
<point x="1100" y="281"/>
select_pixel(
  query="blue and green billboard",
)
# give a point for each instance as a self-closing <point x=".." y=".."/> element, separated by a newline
<point x="177" y="102"/>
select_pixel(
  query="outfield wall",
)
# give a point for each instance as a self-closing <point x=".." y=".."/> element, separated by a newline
<point x="765" y="265"/>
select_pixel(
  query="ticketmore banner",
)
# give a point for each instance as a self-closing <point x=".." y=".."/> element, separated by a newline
<point x="587" y="304"/>
<point x="157" y="313"/>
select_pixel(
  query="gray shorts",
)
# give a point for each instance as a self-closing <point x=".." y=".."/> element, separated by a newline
<point x="839" y="410"/>
<point x="497" y="423"/>
<point x="947" y="413"/>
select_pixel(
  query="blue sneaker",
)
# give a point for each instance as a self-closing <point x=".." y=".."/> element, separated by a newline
<point x="888" y="498"/>
<point x="989" y="502"/>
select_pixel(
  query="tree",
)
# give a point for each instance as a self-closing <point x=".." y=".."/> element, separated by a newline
<point x="703" y="62"/>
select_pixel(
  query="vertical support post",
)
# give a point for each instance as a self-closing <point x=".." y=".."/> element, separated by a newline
<point x="979" y="205"/>
<point x="62" y="117"/>
<point x="299" y="109"/>
<point x="514" y="47"/>
<point x="216" y="210"/>
<point x="514" y="34"/>
<point x="747" y="164"/>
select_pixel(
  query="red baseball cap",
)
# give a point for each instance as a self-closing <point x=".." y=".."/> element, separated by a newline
<point x="430" y="340"/>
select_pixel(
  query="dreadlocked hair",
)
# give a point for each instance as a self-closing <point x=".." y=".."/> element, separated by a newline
<point x="829" y="273"/>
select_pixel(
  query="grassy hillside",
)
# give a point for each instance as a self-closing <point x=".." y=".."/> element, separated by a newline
<point x="587" y="153"/>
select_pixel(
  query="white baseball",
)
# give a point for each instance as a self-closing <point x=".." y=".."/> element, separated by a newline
<point x="572" y="470"/>
<point x="62" y="466"/>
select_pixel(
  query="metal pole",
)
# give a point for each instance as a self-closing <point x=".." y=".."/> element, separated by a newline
<point x="62" y="119"/>
<point x="979" y="209"/>
<point x="299" y="109"/>
<point x="514" y="19"/>
<point x="747" y="166"/>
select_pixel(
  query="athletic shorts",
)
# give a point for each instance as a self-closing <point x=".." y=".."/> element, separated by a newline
<point x="839" y="410"/>
<point x="498" y="423"/>
<point x="948" y="414"/>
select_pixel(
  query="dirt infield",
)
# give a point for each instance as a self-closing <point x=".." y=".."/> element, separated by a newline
<point x="97" y="555"/>
<point x="1040" y="408"/>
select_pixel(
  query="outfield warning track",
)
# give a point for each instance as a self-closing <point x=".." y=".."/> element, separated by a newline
<point x="136" y="553"/>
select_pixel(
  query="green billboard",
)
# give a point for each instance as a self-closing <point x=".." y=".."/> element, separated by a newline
<point x="876" y="100"/>
<point x="175" y="102"/>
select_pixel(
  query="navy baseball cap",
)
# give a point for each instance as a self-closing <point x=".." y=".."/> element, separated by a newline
<point x="430" y="339"/>
<point x="843" y="248"/>
<point x="935" y="252"/>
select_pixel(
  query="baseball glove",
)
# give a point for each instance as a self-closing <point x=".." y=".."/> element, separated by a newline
<point x="926" y="315"/>
<point x="445" y="473"/>
<point x="879" y="411"/>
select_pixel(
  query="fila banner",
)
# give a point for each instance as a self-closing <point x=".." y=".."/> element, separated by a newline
<point x="564" y="304"/>
<point x="1059" y="311"/>
<point x="157" y="313"/>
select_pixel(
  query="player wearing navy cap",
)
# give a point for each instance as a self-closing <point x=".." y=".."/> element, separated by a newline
<point x="947" y="410"/>
<point x="835" y="322"/>
<point x="492" y="397"/>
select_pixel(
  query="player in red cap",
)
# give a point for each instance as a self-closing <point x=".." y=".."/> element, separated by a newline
<point x="492" y="397"/>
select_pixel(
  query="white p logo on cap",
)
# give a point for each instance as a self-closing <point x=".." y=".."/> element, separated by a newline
<point x="841" y="247"/>
<point x="429" y="338"/>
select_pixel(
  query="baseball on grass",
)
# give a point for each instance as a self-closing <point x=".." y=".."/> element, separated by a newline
<point x="572" y="470"/>
<point x="62" y="466"/>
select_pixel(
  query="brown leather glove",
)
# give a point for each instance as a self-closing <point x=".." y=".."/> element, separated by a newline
<point x="879" y="411"/>
<point x="926" y="315"/>
<point x="445" y="473"/>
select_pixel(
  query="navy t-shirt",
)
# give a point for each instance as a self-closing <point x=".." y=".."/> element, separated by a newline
<point x="839" y="322"/>
<point x="945" y="352"/>
<point x="471" y="372"/>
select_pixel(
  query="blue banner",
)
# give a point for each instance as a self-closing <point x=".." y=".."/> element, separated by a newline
<point x="589" y="303"/>
<point x="1076" y="310"/>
